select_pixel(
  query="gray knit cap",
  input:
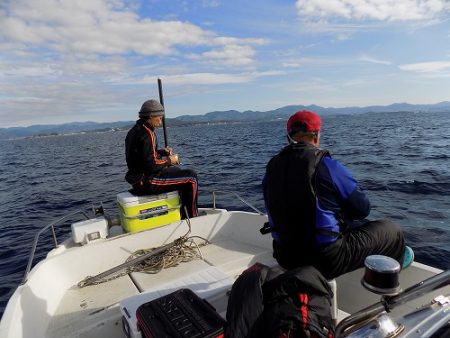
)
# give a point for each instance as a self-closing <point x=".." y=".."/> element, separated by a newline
<point x="151" y="108"/>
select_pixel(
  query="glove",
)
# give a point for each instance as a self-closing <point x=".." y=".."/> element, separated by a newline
<point x="173" y="159"/>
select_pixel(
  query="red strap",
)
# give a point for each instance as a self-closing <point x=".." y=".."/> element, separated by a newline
<point x="303" y="297"/>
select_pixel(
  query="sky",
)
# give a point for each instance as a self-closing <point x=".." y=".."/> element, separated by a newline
<point x="99" y="60"/>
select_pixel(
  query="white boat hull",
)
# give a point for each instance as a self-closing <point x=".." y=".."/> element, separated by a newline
<point x="51" y="304"/>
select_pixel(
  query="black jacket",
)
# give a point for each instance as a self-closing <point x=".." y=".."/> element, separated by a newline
<point x="142" y="154"/>
<point x="310" y="197"/>
<point x="290" y="196"/>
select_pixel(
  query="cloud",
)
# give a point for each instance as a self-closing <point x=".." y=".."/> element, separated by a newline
<point x="210" y="3"/>
<point x="231" y="52"/>
<point x="35" y="101"/>
<point x="367" y="58"/>
<point x="384" y="10"/>
<point x="81" y="99"/>
<point x="93" y="67"/>
<point x="314" y="85"/>
<point x="61" y="59"/>
<point x="94" y="26"/>
<point x="427" y="67"/>
<point x="304" y="62"/>
<point x="233" y="55"/>
<point x="206" y="78"/>
<point x="30" y="70"/>
<point x="108" y="27"/>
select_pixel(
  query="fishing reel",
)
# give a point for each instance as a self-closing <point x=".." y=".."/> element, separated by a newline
<point x="101" y="211"/>
<point x="98" y="211"/>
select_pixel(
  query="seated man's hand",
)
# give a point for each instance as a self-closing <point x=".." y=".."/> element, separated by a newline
<point x="167" y="151"/>
<point x="174" y="159"/>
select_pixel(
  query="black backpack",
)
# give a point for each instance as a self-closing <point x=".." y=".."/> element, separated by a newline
<point x="265" y="302"/>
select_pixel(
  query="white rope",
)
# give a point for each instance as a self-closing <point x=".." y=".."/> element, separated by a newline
<point x="184" y="250"/>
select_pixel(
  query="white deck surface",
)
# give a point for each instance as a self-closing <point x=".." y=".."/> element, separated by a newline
<point x="51" y="305"/>
<point x="353" y="297"/>
<point x="93" y="309"/>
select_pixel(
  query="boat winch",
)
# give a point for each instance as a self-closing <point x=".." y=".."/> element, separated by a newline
<point x="381" y="275"/>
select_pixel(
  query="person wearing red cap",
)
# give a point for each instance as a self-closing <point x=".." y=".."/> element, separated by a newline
<point x="317" y="211"/>
<point x="152" y="170"/>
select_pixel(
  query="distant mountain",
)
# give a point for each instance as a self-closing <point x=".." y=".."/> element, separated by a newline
<point x="65" y="128"/>
<point x="69" y="128"/>
<point x="219" y="116"/>
<point x="283" y="112"/>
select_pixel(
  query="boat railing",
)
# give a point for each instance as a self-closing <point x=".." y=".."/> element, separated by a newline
<point x="235" y="194"/>
<point x="55" y="240"/>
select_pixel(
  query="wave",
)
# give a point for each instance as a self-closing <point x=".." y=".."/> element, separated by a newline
<point x="409" y="187"/>
<point x="438" y="157"/>
<point x="405" y="174"/>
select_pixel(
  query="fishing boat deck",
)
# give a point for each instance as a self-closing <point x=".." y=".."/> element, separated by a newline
<point x="93" y="311"/>
<point x="350" y="288"/>
<point x="62" y="309"/>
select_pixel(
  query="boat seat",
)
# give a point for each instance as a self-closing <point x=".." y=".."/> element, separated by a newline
<point x="233" y="257"/>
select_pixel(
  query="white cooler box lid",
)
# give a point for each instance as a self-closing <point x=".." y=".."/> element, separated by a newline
<point x="126" y="198"/>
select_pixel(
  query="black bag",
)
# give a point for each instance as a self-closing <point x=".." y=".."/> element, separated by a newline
<point x="246" y="304"/>
<point x="295" y="304"/>
<point x="298" y="304"/>
<point x="180" y="314"/>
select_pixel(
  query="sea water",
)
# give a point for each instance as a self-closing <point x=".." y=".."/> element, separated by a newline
<point x="401" y="160"/>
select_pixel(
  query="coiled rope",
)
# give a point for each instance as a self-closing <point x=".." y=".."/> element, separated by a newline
<point x="153" y="260"/>
<point x="180" y="252"/>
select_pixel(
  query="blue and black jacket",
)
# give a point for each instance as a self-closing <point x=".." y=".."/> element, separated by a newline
<point x="310" y="197"/>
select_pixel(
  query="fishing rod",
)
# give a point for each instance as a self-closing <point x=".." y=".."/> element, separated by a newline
<point x="161" y="100"/>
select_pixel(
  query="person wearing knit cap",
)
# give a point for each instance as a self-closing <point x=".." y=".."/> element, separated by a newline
<point x="153" y="170"/>
<point x="317" y="211"/>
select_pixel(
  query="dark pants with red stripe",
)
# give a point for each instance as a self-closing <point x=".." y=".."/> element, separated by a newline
<point x="172" y="179"/>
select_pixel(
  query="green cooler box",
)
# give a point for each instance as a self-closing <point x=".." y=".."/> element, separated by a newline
<point x="146" y="212"/>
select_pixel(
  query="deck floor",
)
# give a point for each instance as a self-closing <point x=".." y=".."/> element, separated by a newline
<point x="94" y="311"/>
<point x="408" y="277"/>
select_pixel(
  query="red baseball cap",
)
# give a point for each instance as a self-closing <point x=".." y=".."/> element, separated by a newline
<point x="306" y="121"/>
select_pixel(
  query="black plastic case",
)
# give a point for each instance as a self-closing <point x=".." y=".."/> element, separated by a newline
<point x="181" y="314"/>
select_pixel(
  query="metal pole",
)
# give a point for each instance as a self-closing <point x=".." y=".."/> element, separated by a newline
<point x="161" y="100"/>
<point x="36" y="239"/>
<point x="55" y="240"/>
